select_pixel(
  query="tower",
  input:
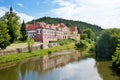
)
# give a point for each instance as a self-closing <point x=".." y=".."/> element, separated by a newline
<point x="11" y="9"/>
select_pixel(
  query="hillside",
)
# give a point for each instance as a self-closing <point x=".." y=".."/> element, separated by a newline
<point x="69" y="23"/>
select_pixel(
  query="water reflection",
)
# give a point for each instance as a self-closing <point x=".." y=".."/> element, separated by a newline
<point x="63" y="67"/>
<point x="106" y="71"/>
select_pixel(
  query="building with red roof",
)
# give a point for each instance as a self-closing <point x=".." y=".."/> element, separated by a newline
<point x="43" y="32"/>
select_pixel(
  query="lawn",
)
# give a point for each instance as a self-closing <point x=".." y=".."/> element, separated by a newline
<point x="19" y="45"/>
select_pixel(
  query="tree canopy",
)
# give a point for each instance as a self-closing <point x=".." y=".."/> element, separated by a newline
<point x="23" y="31"/>
<point x="116" y="57"/>
<point x="107" y="43"/>
<point x="4" y="36"/>
<point x="13" y="25"/>
<point x="90" y="34"/>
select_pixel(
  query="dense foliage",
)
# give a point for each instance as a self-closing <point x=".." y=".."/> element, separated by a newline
<point x="23" y="31"/>
<point x="107" y="43"/>
<point x="86" y="44"/>
<point x="4" y="36"/>
<point x="69" y="23"/>
<point x="90" y="34"/>
<point x="116" y="57"/>
<point x="10" y="29"/>
<point x="13" y="25"/>
<point x="82" y="45"/>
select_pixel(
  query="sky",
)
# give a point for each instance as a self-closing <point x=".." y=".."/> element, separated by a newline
<point x="104" y="13"/>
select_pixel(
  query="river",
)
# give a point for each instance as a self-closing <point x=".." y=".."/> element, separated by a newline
<point x="61" y="67"/>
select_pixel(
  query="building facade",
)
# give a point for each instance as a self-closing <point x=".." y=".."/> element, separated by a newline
<point x="43" y="32"/>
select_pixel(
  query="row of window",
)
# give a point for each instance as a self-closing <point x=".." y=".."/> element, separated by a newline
<point x="45" y="32"/>
<point x="29" y="33"/>
<point x="51" y="37"/>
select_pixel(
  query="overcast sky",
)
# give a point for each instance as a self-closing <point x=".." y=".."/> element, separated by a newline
<point x="105" y="13"/>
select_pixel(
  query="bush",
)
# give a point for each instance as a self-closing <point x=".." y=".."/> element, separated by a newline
<point x="92" y="48"/>
<point x="4" y="44"/>
<point x="65" y="41"/>
<point x="49" y="52"/>
<point x="81" y="45"/>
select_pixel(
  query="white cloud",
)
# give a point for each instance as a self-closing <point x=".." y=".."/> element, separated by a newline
<point x="104" y="13"/>
<point x="2" y="11"/>
<point x="20" y="4"/>
<point x="25" y="17"/>
<point x="22" y="16"/>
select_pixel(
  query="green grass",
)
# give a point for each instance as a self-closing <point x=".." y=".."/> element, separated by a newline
<point x="19" y="44"/>
<point x="21" y="56"/>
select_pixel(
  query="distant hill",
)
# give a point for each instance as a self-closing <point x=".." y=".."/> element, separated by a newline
<point x="69" y="23"/>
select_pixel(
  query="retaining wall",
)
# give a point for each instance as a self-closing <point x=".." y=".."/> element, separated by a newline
<point x="25" y="49"/>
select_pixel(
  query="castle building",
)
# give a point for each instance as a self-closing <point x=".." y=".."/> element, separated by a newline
<point x="43" y="32"/>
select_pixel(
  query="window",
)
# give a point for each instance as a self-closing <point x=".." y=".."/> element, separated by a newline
<point x="44" y="31"/>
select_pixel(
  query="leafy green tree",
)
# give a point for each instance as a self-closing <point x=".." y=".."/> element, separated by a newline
<point x="13" y="24"/>
<point x="82" y="45"/>
<point x="116" y="57"/>
<point x="83" y="36"/>
<point x="90" y="33"/>
<point x="106" y="45"/>
<point x="4" y="36"/>
<point x="23" y="31"/>
<point x="30" y="42"/>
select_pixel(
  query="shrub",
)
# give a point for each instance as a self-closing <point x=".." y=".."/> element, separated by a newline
<point x="49" y="52"/>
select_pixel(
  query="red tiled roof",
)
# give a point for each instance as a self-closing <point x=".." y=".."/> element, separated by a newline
<point x="31" y="27"/>
<point x="62" y="25"/>
<point x="44" y="25"/>
<point x="72" y="29"/>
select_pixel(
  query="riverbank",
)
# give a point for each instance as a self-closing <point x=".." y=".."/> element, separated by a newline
<point x="4" y="60"/>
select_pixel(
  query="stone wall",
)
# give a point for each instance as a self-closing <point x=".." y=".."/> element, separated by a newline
<point x="18" y="50"/>
<point x="25" y="49"/>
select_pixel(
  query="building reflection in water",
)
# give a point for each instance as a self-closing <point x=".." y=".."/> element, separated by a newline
<point x="31" y="69"/>
<point x="47" y="63"/>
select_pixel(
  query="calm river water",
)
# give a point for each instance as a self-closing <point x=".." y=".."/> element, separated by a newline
<point x="63" y="67"/>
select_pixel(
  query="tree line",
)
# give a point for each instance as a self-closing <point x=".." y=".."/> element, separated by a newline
<point x="106" y="46"/>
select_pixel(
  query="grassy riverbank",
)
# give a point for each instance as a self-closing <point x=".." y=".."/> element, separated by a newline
<point x="21" y="56"/>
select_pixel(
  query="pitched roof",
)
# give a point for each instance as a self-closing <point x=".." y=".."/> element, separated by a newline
<point x="62" y="25"/>
<point x="72" y="29"/>
<point x="31" y="27"/>
<point x="45" y="26"/>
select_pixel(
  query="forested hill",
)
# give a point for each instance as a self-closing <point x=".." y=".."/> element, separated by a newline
<point x="69" y="23"/>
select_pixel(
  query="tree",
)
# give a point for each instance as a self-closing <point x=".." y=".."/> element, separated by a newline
<point x="90" y="33"/>
<point x="23" y="31"/>
<point x="116" y="57"/>
<point x="82" y="45"/>
<point x="30" y="42"/>
<point x="4" y="36"/>
<point x="83" y="36"/>
<point x="13" y="25"/>
<point x="106" y="45"/>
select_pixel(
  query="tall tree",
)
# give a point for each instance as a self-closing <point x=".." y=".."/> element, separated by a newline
<point x="4" y="36"/>
<point x="107" y="43"/>
<point x="13" y="24"/>
<point x="23" y="31"/>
